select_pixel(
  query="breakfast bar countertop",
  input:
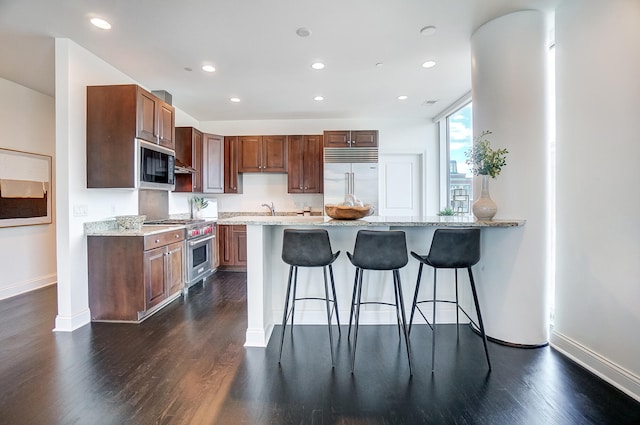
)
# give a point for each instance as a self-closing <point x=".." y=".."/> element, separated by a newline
<point x="443" y="221"/>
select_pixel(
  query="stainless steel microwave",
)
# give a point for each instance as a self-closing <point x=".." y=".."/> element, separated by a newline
<point x="156" y="166"/>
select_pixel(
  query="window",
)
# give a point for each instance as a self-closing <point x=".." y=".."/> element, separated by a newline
<point x="457" y="137"/>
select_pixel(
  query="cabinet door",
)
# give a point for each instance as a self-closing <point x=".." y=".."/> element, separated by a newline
<point x="175" y="267"/>
<point x="232" y="181"/>
<point x="250" y="154"/>
<point x="147" y="128"/>
<point x="154" y="279"/>
<point x="312" y="164"/>
<point x="364" y="138"/>
<point x="337" y="139"/>
<point x="166" y="125"/>
<point x="213" y="164"/>
<point x="295" y="177"/>
<point x="196" y="163"/>
<point x="274" y="154"/>
<point x="225" y="241"/>
<point x="240" y="244"/>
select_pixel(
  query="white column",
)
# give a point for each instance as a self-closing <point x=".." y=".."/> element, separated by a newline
<point x="509" y="57"/>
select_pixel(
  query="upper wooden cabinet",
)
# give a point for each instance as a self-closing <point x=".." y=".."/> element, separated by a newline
<point x="305" y="164"/>
<point x="189" y="154"/>
<point x="262" y="154"/>
<point x="232" y="180"/>
<point x="155" y="118"/>
<point x="213" y="164"/>
<point x="351" y="139"/>
<point x="116" y="116"/>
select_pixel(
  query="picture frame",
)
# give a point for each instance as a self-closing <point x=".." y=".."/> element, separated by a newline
<point x="25" y="188"/>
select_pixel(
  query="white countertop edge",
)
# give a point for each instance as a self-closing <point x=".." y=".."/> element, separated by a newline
<point x="145" y="230"/>
<point x="371" y="221"/>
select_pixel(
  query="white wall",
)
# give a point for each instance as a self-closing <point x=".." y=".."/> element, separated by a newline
<point x="598" y="232"/>
<point x="27" y="253"/>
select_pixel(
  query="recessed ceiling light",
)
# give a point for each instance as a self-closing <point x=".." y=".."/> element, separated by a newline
<point x="428" y="30"/>
<point x="208" y="68"/>
<point x="429" y="64"/>
<point x="188" y="69"/>
<point x="318" y="98"/>
<point x="317" y="65"/>
<point x="379" y="64"/>
<point x="403" y="97"/>
<point x="234" y="99"/>
<point x="303" y="32"/>
<point x="101" y="23"/>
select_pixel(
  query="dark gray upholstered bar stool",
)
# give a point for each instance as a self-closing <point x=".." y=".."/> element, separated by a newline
<point x="308" y="248"/>
<point x="379" y="250"/>
<point x="450" y="249"/>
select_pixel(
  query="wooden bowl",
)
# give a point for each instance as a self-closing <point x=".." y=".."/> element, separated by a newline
<point x="341" y="212"/>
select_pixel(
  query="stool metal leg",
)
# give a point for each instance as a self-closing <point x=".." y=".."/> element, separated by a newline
<point x="335" y="299"/>
<point x="353" y="300"/>
<point x="326" y="299"/>
<point x="357" y="320"/>
<point x="398" y="286"/>
<point x="286" y="310"/>
<point x="457" y="305"/>
<point x="415" y="297"/>
<point x="395" y="293"/>
<point x="480" y="323"/>
<point x="433" y="327"/>
<point x="295" y="291"/>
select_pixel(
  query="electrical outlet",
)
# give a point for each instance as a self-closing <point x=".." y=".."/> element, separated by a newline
<point x="80" y="210"/>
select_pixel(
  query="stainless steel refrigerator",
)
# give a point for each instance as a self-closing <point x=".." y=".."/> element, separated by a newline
<point x="351" y="171"/>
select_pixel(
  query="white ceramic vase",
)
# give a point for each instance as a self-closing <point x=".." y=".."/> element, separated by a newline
<point x="484" y="208"/>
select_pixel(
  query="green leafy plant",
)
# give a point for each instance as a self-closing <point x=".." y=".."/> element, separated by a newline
<point x="200" y="203"/>
<point x="483" y="160"/>
<point x="448" y="211"/>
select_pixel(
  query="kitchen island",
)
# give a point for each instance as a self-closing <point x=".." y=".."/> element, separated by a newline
<point x="513" y="301"/>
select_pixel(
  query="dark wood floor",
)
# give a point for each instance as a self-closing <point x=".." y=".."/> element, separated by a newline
<point x="187" y="365"/>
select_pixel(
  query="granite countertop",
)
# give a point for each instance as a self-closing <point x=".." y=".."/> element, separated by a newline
<point x="372" y="221"/>
<point x="110" y="228"/>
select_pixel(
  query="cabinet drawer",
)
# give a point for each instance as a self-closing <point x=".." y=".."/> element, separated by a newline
<point x="161" y="239"/>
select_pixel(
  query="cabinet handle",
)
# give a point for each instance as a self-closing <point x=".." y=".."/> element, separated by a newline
<point x="300" y="187"/>
<point x="157" y="240"/>
<point x="305" y="188"/>
<point x="177" y="236"/>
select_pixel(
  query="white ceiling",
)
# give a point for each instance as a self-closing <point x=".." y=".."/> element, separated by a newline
<point x="257" y="54"/>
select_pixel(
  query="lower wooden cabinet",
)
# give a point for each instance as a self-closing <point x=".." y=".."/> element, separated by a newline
<point x="131" y="277"/>
<point x="232" y="247"/>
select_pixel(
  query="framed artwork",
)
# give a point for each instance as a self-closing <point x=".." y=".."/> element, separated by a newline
<point x="25" y="188"/>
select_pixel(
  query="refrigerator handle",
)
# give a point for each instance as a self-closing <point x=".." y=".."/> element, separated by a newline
<point x="348" y="183"/>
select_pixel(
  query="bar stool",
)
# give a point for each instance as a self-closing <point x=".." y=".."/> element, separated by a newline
<point x="308" y="248"/>
<point x="450" y="249"/>
<point x="379" y="250"/>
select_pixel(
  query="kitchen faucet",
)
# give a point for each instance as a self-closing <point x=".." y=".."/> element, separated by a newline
<point x="271" y="209"/>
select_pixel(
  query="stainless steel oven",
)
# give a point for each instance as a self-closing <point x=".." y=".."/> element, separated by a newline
<point x="200" y="253"/>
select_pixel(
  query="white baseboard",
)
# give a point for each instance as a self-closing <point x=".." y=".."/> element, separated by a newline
<point x="71" y="323"/>
<point x="624" y="380"/>
<point x="18" y="288"/>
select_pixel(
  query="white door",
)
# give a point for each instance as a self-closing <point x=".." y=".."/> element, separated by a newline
<point x="401" y="184"/>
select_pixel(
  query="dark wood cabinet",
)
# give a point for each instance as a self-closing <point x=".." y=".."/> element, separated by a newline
<point x="116" y="116"/>
<point x="232" y="247"/>
<point x="351" y="139"/>
<point x="152" y="275"/>
<point x="259" y="154"/>
<point x="232" y="180"/>
<point x="189" y="154"/>
<point x="305" y="164"/>
<point x="213" y="164"/>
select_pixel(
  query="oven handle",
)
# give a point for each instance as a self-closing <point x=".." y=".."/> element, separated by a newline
<point x="199" y="241"/>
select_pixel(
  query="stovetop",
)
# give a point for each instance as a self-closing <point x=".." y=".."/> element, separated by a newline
<point x="195" y="227"/>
